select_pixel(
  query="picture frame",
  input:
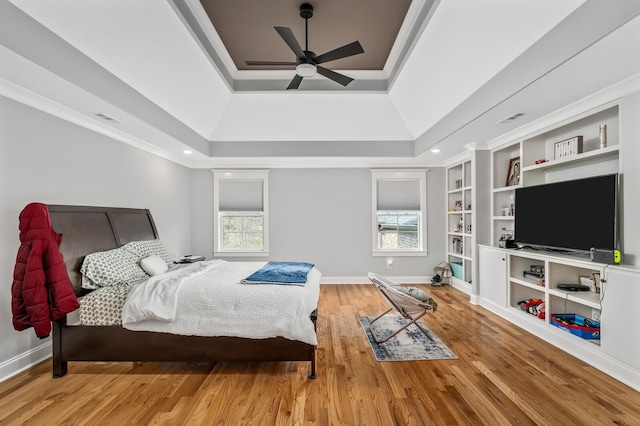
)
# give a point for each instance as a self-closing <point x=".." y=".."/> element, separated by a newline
<point x="513" y="172"/>
<point x="568" y="147"/>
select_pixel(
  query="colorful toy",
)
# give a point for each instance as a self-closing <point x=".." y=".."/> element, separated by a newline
<point x="534" y="307"/>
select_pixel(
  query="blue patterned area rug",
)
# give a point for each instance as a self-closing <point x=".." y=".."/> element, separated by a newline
<point x="409" y="345"/>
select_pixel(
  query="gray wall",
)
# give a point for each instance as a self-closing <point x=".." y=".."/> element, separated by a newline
<point x="45" y="159"/>
<point x="323" y="216"/>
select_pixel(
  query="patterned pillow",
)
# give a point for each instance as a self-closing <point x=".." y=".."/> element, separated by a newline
<point x="414" y="292"/>
<point x="104" y="306"/>
<point x="110" y="267"/>
<point x="147" y="248"/>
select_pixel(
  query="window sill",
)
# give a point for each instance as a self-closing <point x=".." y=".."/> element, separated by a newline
<point x="241" y="254"/>
<point x="395" y="253"/>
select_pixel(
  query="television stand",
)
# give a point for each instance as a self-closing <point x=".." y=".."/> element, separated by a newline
<point x="502" y="285"/>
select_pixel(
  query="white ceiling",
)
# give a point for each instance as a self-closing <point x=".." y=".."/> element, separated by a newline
<point x="470" y="64"/>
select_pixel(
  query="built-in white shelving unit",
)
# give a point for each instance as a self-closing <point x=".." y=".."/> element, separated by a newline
<point x="460" y="247"/>
<point x="537" y="165"/>
<point x="502" y="284"/>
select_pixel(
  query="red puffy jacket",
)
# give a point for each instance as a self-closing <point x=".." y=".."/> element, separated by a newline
<point x="41" y="290"/>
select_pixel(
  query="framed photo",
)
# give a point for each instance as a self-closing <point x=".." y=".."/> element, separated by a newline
<point x="568" y="148"/>
<point x="513" y="173"/>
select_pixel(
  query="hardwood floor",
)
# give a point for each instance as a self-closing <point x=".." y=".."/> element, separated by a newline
<point x="503" y="376"/>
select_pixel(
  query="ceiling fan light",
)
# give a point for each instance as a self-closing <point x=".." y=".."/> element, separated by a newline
<point x="306" y="70"/>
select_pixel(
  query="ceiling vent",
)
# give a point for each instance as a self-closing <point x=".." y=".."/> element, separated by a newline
<point x="105" y="117"/>
<point x="511" y="117"/>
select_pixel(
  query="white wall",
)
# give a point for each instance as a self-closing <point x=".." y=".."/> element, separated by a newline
<point x="323" y="216"/>
<point x="45" y="159"/>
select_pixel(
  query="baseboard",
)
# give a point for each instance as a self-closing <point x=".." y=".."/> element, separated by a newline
<point x="17" y="364"/>
<point x="365" y="280"/>
<point x="461" y="285"/>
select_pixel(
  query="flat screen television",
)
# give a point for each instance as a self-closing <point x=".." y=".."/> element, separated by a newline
<point x="572" y="215"/>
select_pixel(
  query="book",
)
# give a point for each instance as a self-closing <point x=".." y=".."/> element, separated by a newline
<point x="190" y="259"/>
<point x="596" y="282"/>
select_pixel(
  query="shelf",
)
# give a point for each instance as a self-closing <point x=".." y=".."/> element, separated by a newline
<point x="459" y="256"/>
<point x="503" y="217"/>
<point x="506" y="188"/>
<point x="600" y="154"/>
<point x="586" y="298"/>
<point x="457" y="190"/>
<point x="527" y="283"/>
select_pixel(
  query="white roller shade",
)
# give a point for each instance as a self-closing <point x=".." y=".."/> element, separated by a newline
<point x="398" y="195"/>
<point x="240" y="195"/>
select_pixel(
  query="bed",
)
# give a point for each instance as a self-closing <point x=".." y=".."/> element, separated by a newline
<point x="88" y="230"/>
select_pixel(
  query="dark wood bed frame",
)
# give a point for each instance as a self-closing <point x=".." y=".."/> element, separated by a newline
<point x="90" y="229"/>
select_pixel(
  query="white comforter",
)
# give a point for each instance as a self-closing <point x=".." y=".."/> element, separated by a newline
<point x="207" y="299"/>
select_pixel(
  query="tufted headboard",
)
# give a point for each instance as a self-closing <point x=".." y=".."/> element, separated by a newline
<point x="87" y="230"/>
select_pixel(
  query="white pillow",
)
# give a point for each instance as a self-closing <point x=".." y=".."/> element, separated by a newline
<point x="154" y="265"/>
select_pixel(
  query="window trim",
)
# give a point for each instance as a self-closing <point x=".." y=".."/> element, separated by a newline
<point x="221" y="175"/>
<point x="399" y="175"/>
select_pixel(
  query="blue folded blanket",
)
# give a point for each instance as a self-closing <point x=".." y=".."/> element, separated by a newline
<point x="280" y="273"/>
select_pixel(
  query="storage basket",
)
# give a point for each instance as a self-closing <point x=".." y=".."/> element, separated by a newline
<point x="456" y="269"/>
<point x="578" y="325"/>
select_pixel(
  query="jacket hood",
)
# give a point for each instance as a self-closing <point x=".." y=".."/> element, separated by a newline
<point x="35" y="224"/>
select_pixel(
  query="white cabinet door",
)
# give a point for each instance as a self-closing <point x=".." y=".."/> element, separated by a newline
<point x="493" y="275"/>
<point x="620" y="334"/>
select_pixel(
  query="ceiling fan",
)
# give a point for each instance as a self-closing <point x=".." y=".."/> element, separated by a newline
<point x="307" y="63"/>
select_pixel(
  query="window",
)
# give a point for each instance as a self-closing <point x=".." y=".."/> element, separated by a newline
<point x="240" y="213"/>
<point x="398" y="229"/>
<point x="399" y="212"/>
<point x="242" y="230"/>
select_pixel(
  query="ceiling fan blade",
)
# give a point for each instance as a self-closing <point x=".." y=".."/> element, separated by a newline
<point x="295" y="83"/>
<point x="290" y="39"/>
<point x="268" y="63"/>
<point x="337" y="77"/>
<point x="341" y="52"/>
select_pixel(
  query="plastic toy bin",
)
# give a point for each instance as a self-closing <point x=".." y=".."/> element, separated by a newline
<point x="578" y="325"/>
<point x="456" y="269"/>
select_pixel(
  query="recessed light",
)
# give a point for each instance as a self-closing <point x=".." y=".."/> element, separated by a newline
<point x="435" y="150"/>
<point x="188" y="151"/>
